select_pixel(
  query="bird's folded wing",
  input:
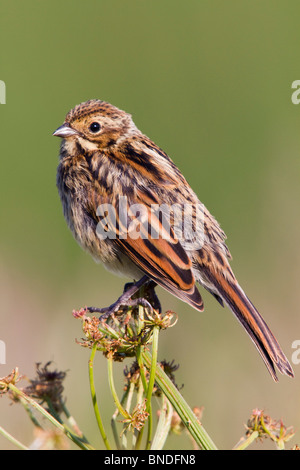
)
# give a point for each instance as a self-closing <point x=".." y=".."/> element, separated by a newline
<point x="153" y="247"/>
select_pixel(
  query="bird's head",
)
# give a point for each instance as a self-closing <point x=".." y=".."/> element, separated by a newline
<point x="96" y="125"/>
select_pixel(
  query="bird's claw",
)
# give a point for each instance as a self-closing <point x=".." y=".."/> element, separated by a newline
<point x="107" y="312"/>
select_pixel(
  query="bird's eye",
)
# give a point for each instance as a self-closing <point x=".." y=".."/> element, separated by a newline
<point x="95" y="127"/>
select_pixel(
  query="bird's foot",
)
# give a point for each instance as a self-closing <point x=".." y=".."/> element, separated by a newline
<point x="126" y="299"/>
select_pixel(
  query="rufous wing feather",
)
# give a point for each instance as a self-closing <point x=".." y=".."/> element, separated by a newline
<point x="162" y="258"/>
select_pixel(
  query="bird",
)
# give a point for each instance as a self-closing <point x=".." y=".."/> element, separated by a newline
<point x="115" y="186"/>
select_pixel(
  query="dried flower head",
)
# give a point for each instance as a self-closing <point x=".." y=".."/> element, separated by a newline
<point x="119" y="335"/>
<point x="47" y="387"/>
<point x="137" y="419"/>
<point x="13" y="378"/>
<point x="132" y="375"/>
<point x="266" y="427"/>
<point x="163" y="321"/>
<point x="169" y="367"/>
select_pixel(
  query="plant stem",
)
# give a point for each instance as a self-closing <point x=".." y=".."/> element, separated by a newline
<point x="113" y="420"/>
<point x="114" y="429"/>
<point x="151" y="384"/>
<point x="139" y="358"/>
<point x="129" y="397"/>
<point x="113" y="390"/>
<point x="30" y="414"/>
<point x="94" y="398"/>
<point x="48" y="416"/>
<point x="243" y="444"/>
<point x="163" y="426"/>
<point x="137" y="438"/>
<point x="153" y="367"/>
<point x="73" y="423"/>
<point x="139" y="434"/>
<point x="179" y="404"/>
<point x="12" y="439"/>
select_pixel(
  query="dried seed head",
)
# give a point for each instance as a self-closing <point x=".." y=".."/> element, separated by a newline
<point x="119" y="335"/>
<point x="13" y="378"/>
<point x="137" y="419"/>
<point x="47" y="387"/>
<point x="132" y="374"/>
<point x="268" y="428"/>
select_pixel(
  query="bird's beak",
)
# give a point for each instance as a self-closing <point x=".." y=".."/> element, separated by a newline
<point x="65" y="131"/>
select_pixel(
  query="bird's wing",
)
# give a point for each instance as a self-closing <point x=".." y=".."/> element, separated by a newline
<point x="150" y="243"/>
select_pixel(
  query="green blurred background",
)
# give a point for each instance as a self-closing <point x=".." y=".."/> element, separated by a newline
<point x="210" y="82"/>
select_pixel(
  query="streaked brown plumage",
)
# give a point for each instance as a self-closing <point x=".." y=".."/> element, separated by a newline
<point x="104" y="156"/>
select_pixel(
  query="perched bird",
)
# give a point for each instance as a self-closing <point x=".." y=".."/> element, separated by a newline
<point x="113" y="180"/>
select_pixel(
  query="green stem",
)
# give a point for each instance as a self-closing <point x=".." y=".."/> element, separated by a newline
<point x="141" y="311"/>
<point x="129" y="397"/>
<point x="280" y="444"/>
<point x="151" y="384"/>
<point x="113" y="390"/>
<point x="12" y="439"/>
<point x="52" y="410"/>
<point x="114" y="430"/>
<point x="139" y="434"/>
<point x="139" y="358"/>
<point x="163" y="426"/>
<point x="30" y="414"/>
<point x="153" y="367"/>
<point x="73" y="423"/>
<point x="113" y="421"/>
<point x="179" y="404"/>
<point x="94" y="398"/>
<point x="246" y="442"/>
<point x="48" y="416"/>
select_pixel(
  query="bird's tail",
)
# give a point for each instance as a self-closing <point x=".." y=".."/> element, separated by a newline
<point x="259" y="332"/>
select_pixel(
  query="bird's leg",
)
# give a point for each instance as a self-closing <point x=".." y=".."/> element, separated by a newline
<point x="152" y="296"/>
<point x="125" y="299"/>
<point x="149" y="294"/>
